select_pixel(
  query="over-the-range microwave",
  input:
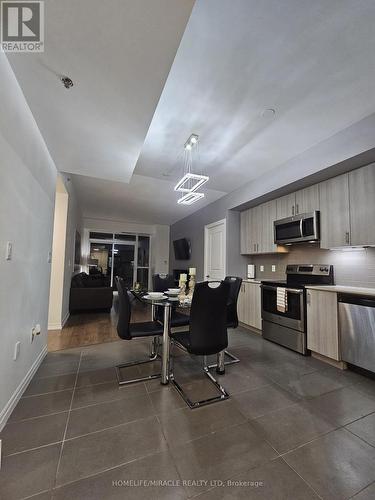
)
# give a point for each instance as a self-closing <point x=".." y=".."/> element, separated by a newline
<point x="297" y="229"/>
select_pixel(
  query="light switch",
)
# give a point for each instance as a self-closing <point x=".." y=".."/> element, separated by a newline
<point x="8" y="253"/>
<point x="17" y="347"/>
<point x="273" y="268"/>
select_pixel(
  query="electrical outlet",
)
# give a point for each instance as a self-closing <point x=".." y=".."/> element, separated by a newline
<point x="261" y="268"/>
<point x="49" y="258"/>
<point x="17" y="347"/>
<point x="35" y="331"/>
<point x="273" y="268"/>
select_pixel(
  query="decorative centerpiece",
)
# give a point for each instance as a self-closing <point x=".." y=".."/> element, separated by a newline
<point x="192" y="274"/>
<point x="182" y="285"/>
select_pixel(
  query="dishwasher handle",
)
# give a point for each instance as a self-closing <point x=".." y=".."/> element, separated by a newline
<point x="358" y="300"/>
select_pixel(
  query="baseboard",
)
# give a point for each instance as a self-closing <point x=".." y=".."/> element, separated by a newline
<point x="16" y="396"/>
<point x="337" y="364"/>
<point x="250" y="328"/>
<point x="59" y="326"/>
<point x="65" y="319"/>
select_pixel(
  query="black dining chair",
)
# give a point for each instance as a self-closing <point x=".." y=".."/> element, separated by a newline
<point x="207" y="334"/>
<point x="161" y="283"/>
<point x="232" y="317"/>
<point x="130" y="331"/>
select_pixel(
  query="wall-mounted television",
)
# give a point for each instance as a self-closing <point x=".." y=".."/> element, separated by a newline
<point x="182" y="250"/>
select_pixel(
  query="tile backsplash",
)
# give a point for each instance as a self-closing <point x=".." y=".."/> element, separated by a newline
<point x="352" y="268"/>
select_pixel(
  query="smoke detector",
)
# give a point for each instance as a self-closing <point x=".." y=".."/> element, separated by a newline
<point x="67" y="82"/>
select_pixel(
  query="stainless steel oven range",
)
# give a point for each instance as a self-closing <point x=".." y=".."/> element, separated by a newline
<point x="284" y="304"/>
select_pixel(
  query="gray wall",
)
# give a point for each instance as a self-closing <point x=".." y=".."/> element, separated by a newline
<point x="74" y="223"/>
<point x="27" y="180"/>
<point x="350" y="148"/>
<point x="193" y="228"/>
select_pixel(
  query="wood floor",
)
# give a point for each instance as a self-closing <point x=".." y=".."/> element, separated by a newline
<point x="93" y="328"/>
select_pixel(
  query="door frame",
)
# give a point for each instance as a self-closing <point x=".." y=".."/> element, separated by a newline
<point x="207" y="227"/>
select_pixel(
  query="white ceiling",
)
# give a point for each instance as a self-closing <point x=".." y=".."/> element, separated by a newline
<point x="312" y="61"/>
<point x="118" y="53"/>
<point x="143" y="200"/>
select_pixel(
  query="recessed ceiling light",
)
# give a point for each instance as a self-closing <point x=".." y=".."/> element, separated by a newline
<point x="268" y="113"/>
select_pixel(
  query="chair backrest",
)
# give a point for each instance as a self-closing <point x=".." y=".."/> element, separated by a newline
<point x="208" y="318"/>
<point x="161" y="282"/>
<point x="235" y="286"/>
<point x="124" y="310"/>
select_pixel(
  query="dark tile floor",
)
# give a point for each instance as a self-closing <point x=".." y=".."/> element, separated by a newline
<point x="294" y="428"/>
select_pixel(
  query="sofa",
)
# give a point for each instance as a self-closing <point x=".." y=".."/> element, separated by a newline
<point x="90" y="293"/>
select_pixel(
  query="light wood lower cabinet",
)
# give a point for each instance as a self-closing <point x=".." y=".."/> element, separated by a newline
<point x="249" y="305"/>
<point x="322" y="324"/>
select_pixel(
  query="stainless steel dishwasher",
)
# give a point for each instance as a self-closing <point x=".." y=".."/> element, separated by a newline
<point x="357" y="330"/>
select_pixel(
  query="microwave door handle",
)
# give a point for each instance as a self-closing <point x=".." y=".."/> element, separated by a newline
<point x="301" y="227"/>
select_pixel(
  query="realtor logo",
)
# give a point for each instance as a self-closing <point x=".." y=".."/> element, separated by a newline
<point x="22" y="26"/>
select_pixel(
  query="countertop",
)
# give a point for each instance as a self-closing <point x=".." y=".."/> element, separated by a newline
<point x="356" y="290"/>
<point x="255" y="281"/>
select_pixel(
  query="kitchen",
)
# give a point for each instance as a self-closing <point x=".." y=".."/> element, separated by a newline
<point x="344" y="225"/>
<point x="339" y="233"/>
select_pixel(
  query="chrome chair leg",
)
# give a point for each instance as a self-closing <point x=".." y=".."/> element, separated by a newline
<point x="197" y="404"/>
<point x="220" y="364"/>
<point x="154" y="347"/>
<point x="154" y="354"/>
<point x="233" y="359"/>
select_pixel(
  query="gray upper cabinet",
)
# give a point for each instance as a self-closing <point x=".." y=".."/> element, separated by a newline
<point x="362" y="205"/>
<point x="301" y="202"/>
<point x="307" y="200"/>
<point x="334" y="212"/>
<point x="285" y="206"/>
<point x="244" y="216"/>
<point x="268" y="216"/>
<point x="255" y="232"/>
<point x="257" y="229"/>
<point x="347" y="213"/>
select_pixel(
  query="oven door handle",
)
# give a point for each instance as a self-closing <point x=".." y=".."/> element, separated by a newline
<point x="289" y="290"/>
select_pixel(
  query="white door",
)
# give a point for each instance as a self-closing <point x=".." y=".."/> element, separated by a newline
<point x="215" y="251"/>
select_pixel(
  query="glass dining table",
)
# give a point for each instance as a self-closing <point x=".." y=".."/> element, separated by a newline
<point x="167" y="304"/>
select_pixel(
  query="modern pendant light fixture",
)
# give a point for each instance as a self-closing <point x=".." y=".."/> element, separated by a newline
<point x="190" y="181"/>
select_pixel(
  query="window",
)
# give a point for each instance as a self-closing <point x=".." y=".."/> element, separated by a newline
<point x="126" y="237"/>
<point x="121" y="254"/>
<point x="101" y="236"/>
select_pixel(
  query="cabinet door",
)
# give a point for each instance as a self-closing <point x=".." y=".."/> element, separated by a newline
<point x="334" y="212"/>
<point x="255" y="309"/>
<point x="307" y="200"/>
<point x="322" y="323"/>
<point x="268" y="216"/>
<point x="243" y="231"/>
<point x="255" y="231"/>
<point x="362" y="205"/>
<point x="241" y="305"/>
<point x="285" y="206"/>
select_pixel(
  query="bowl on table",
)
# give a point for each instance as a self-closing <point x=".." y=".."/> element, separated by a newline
<point x="173" y="291"/>
<point x="155" y="295"/>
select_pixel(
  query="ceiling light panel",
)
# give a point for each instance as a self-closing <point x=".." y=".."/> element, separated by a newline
<point x="190" y="182"/>
<point x="190" y="198"/>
